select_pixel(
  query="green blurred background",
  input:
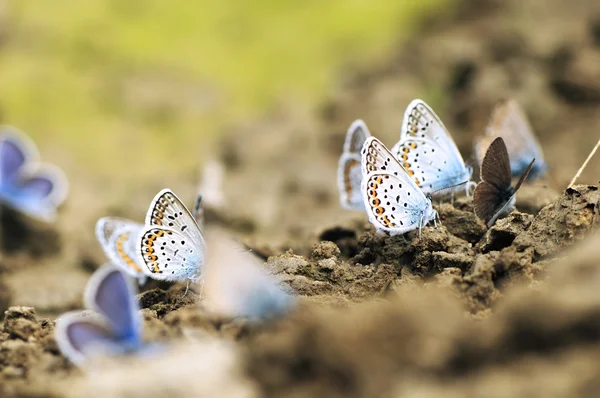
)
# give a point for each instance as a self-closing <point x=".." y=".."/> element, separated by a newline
<point x="149" y="81"/>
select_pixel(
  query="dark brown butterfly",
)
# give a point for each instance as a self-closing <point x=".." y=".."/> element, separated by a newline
<point x="494" y="196"/>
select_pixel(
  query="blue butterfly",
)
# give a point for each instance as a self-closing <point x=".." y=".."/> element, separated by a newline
<point x="113" y="327"/>
<point x="237" y="285"/>
<point x="509" y="121"/>
<point x="33" y="188"/>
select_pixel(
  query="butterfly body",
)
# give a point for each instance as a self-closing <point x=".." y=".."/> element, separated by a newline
<point x="428" y="153"/>
<point x="349" y="170"/>
<point x="394" y="202"/>
<point x="27" y="185"/>
<point x="171" y="245"/>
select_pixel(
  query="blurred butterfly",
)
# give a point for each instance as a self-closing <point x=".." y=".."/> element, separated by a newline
<point x="171" y="245"/>
<point x="26" y="185"/>
<point x="119" y="240"/>
<point x="237" y="285"/>
<point x="394" y="202"/>
<point x="494" y="196"/>
<point x="113" y="328"/>
<point x="428" y="153"/>
<point x="510" y="122"/>
<point x="349" y="173"/>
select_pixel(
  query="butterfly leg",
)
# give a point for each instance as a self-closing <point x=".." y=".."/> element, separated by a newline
<point x="187" y="287"/>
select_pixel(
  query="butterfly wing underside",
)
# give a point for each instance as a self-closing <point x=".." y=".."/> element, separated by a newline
<point x="494" y="193"/>
<point x="427" y="151"/>
<point x="394" y="202"/>
<point x="349" y="171"/>
<point x="171" y="245"/>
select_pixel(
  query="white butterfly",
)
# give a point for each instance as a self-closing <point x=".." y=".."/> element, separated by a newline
<point x="119" y="240"/>
<point x="349" y="172"/>
<point x="428" y="153"/>
<point x="393" y="200"/>
<point x="171" y="245"/>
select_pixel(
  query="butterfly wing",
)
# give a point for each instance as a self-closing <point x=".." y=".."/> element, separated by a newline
<point x="168" y="211"/>
<point x="80" y="335"/>
<point x="119" y="240"/>
<point x="494" y="192"/>
<point x="357" y="134"/>
<point x="394" y="202"/>
<point x="509" y="121"/>
<point x="16" y="150"/>
<point x="169" y="255"/>
<point x="238" y="285"/>
<point x="37" y="191"/>
<point x="524" y="176"/>
<point x="486" y="201"/>
<point x="349" y="172"/>
<point x="428" y="152"/>
<point x="495" y="168"/>
<point x="110" y="293"/>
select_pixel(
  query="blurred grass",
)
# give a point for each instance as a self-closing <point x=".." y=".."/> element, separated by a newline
<point x="116" y="82"/>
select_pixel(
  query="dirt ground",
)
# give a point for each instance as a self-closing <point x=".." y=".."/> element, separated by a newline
<point x="461" y="312"/>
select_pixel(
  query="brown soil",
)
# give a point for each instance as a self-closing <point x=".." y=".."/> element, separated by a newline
<point x="462" y="311"/>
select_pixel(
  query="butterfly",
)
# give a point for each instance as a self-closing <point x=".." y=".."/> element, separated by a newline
<point x="510" y="122"/>
<point x="237" y="285"/>
<point x="112" y="327"/>
<point x="494" y="196"/>
<point x="394" y="202"/>
<point x="119" y="240"/>
<point x="171" y="246"/>
<point x="26" y="185"/>
<point x="349" y="171"/>
<point x="428" y="153"/>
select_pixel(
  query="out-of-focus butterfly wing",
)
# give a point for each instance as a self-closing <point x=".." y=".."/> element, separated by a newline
<point x="119" y="240"/>
<point x="16" y="150"/>
<point x="81" y="335"/>
<point x="110" y="293"/>
<point x="237" y="285"/>
<point x="349" y="170"/>
<point x="509" y="121"/>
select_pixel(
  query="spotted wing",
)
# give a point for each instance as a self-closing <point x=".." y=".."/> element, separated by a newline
<point x="170" y="255"/>
<point x="394" y="202"/>
<point x="168" y="211"/>
<point x="420" y="121"/>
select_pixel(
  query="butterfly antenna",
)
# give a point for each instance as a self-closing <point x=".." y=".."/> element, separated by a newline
<point x="584" y="165"/>
<point x="450" y="186"/>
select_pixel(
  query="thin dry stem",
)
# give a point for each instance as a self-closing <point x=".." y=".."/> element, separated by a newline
<point x="583" y="166"/>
